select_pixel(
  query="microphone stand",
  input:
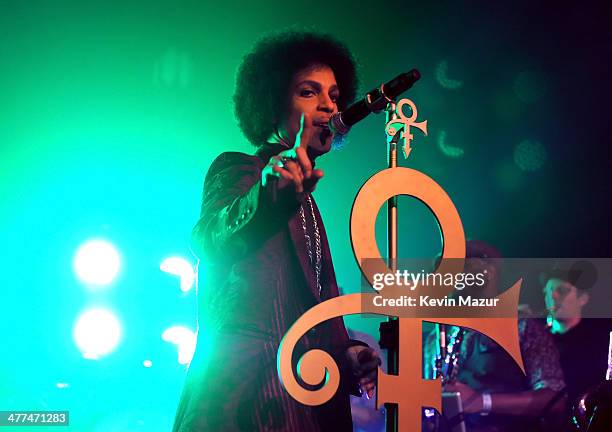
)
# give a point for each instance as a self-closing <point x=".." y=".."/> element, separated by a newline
<point x="392" y="322"/>
<point x="389" y="330"/>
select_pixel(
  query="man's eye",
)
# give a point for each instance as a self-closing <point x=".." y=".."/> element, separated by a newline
<point x="334" y="98"/>
<point x="307" y="93"/>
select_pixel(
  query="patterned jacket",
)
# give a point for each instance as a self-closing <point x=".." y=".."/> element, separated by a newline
<point x="256" y="279"/>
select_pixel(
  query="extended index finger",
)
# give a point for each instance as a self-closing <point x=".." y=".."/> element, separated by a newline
<point x="304" y="161"/>
<point x="305" y="133"/>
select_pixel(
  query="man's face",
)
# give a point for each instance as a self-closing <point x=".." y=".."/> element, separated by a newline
<point x="314" y="92"/>
<point x="564" y="300"/>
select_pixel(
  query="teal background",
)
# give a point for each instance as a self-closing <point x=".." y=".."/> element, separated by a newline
<point x="111" y="113"/>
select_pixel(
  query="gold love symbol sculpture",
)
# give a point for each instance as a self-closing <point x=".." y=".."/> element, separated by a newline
<point x="407" y="389"/>
<point x="403" y="124"/>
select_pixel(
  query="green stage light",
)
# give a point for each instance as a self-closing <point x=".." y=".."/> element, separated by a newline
<point x="530" y="86"/>
<point x="184" y="339"/>
<point x="97" y="333"/>
<point x="97" y="262"/>
<point x="182" y="268"/>
<point x="509" y="176"/>
<point x="530" y="155"/>
<point x="174" y="69"/>
<point x="448" y="150"/>
<point x="445" y="81"/>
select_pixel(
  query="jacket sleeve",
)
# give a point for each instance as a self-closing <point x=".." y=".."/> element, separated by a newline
<point x="237" y="213"/>
<point x="540" y="356"/>
<point x="231" y="198"/>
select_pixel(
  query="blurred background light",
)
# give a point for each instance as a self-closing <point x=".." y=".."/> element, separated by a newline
<point x="530" y="86"/>
<point x="147" y="363"/>
<point x="448" y="150"/>
<point x="179" y="267"/>
<point x="97" y="332"/>
<point x="174" y="69"/>
<point x="185" y="340"/>
<point x="97" y="262"/>
<point x="445" y="81"/>
<point x="529" y="155"/>
<point x="509" y="177"/>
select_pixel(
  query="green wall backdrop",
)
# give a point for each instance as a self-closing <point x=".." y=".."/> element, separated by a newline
<point x="111" y="112"/>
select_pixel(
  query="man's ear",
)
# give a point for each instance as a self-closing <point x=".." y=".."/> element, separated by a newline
<point x="583" y="298"/>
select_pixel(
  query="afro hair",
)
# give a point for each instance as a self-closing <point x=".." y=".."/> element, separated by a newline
<point x="265" y="74"/>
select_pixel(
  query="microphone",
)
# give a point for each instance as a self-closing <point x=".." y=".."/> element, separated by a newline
<point x="374" y="101"/>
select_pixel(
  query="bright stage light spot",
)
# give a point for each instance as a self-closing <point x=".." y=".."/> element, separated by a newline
<point x="97" y="262"/>
<point x="96" y="333"/>
<point x="61" y="385"/>
<point x="147" y="363"/>
<point x="184" y="339"/>
<point x="179" y="267"/>
<point x="530" y="155"/>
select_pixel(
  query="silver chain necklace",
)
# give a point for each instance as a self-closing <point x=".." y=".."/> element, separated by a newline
<point x="316" y="262"/>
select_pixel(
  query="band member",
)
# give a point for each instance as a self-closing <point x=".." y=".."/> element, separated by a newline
<point x="582" y="342"/>
<point x="265" y="258"/>
<point x="495" y="394"/>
